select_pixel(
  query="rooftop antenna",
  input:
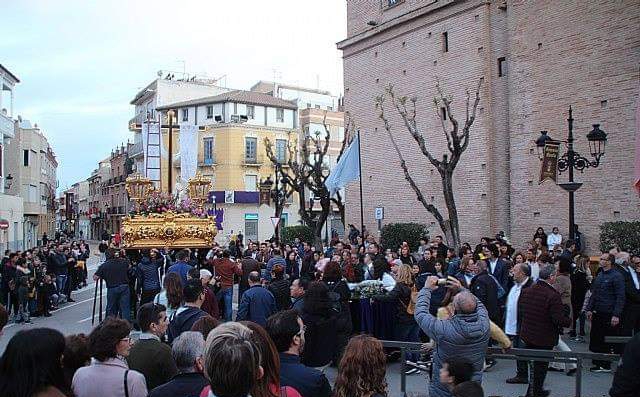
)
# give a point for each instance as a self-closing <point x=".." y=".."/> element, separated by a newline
<point x="184" y="68"/>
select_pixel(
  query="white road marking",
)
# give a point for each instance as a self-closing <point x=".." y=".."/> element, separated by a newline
<point x="104" y="294"/>
<point x="90" y="317"/>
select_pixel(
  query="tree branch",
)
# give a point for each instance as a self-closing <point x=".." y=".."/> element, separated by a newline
<point x="428" y="206"/>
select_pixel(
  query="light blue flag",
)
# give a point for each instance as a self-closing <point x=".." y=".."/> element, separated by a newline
<point x="347" y="169"/>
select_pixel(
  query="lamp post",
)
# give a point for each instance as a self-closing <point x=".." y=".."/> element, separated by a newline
<point x="572" y="160"/>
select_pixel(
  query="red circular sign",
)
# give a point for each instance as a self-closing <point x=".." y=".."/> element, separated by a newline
<point x="4" y="224"/>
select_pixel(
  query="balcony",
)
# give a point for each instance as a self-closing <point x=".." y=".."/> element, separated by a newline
<point x="6" y="126"/>
<point x="256" y="161"/>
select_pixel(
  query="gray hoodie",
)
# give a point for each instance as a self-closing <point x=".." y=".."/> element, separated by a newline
<point x="463" y="336"/>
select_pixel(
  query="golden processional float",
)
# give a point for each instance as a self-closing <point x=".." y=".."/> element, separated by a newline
<point x="162" y="220"/>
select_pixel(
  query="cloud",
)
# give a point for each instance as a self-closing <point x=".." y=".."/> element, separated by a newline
<point x="80" y="62"/>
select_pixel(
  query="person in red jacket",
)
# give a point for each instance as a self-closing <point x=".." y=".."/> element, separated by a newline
<point x="226" y="269"/>
<point x="541" y="316"/>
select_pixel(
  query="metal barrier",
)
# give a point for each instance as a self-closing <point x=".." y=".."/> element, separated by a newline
<point x="530" y="355"/>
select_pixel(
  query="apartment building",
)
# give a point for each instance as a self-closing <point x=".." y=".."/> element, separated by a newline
<point x="11" y="207"/>
<point x="232" y="129"/>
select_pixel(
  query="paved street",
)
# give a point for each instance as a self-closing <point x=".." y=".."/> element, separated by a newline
<point x="76" y="317"/>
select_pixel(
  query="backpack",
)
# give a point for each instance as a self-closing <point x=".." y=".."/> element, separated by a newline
<point x="334" y="298"/>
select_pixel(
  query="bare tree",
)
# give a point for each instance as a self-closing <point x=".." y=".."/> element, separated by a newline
<point x="457" y="142"/>
<point x="306" y="171"/>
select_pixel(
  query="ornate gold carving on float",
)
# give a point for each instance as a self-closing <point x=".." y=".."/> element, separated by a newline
<point x="160" y="220"/>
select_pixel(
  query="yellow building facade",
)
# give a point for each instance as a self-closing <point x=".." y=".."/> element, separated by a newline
<point x="232" y="128"/>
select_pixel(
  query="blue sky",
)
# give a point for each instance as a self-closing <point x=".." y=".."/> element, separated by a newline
<point x="81" y="62"/>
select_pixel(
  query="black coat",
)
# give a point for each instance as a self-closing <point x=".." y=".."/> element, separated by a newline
<point x="401" y="294"/>
<point x="485" y="289"/>
<point x="282" y="293"/>
<point x="626" y="381"/>
<point x="181" y="385"/>
<point x="320" y="338"/>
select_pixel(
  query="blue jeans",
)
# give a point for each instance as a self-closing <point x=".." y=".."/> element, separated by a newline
<point x="408" y="332"/>
<point x="61" y="283"/>
<point x="118" y="302"/>
<point x="227" y="295"/>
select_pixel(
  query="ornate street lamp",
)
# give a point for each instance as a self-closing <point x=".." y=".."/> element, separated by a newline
<point x="138" y="188"/>
<point x="572" y="160"/>
<point x="199" y="187"/>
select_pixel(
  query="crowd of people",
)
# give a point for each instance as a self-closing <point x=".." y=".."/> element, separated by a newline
<point x="295" y="318"/>
<point x="36" y="281"/>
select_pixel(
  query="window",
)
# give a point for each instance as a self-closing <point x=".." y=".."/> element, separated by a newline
<point x="25" y="158"/>
<point x="210" y="111"/>
<point x="33" y="194"/>
<point x="251" y="227"/>
<point x="1" y="153"/>
<point x="392" y="3"/>
<point x="443" y="110"/>
<point x="281" y="150"/>
<point x="207" y="144"/>
<point x="250" y="183"/>
<point x="308" y="105"/>
<point x="317" y="106"/>
<point x="251" y="112"/>
<point x="329" y="107"/>
<point x="250" y="150"/>
<point x="502" y="67"/>
<point x="185" y="114"/>
<point x="445" y="42"/>
<point x="279" y="115"/>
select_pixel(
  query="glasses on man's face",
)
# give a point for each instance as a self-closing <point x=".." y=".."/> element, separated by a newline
<point x="126" y="339"/>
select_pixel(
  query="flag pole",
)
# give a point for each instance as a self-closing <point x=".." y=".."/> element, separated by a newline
<point x="360" y="174"/>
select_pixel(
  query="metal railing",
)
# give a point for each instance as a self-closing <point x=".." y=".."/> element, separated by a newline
<point x="529" y="355"/>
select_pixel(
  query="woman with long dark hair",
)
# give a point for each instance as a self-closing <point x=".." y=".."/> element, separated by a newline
<point x="280" y="288"/>
<point x="339" y="289"/>
<point x="31" y="365"/>
<point x="319" y="316"/>
<point x="362" y="369"/>
<point x="171" y="294"/>
<point x="269" y="384"/>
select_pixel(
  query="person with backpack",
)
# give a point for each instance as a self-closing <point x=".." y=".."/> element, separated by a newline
<point x="339" y="294"/>
<point x="406" y="328"/>
<point x="319" y="316"/>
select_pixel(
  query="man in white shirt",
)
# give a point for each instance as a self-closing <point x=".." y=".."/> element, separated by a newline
<point x="533" y="265"/>
<point x="522" y="279"/>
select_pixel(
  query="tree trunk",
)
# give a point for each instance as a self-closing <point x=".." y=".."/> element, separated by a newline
<point x="453" y="232"/>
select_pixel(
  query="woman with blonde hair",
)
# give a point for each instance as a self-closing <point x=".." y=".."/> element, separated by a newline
<point x="362" y="369"/>
<point x="406" y="328"/>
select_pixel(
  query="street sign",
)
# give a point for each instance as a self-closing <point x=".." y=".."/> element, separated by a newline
<point x="275" y="221"/>
<point x="379" y="213"/>
<point x="4" y="224"/>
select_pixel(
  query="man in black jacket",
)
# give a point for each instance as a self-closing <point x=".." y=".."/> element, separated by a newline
<point x="485" y="288"/>
<point x="114" y="272"/>
<point x="287" y="332"/>
<point x="187" y="351"/>
<point x="189" y="313"/>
